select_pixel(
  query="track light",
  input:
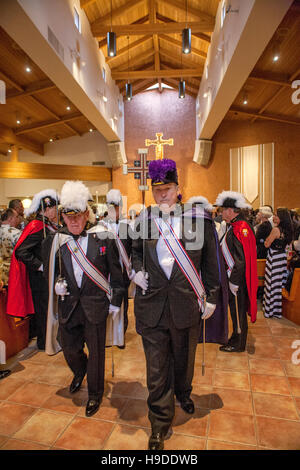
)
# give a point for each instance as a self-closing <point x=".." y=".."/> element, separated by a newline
<point x="181" y="89"/>
<point x="186" y="40"/>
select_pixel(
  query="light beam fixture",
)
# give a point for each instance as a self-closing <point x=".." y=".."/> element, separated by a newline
<point x="111" y="38"/>
<point x="181" y="89"/>
<point x="128" y="85"/>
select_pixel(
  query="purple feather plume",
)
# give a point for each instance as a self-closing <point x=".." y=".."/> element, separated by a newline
<point x="158" y="169"/>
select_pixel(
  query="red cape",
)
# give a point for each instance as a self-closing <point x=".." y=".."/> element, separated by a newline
<point x="19" y="298"/>
<point x="244" y="234"/>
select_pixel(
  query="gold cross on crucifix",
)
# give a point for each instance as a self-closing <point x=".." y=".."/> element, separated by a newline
<point x="159" y="143"/>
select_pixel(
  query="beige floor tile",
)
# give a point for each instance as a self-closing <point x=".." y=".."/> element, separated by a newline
<point x="127" y="438"/>
<point x="279" y="434"/>
<point x="233" y="400"/>
<point x="276" y="406"/>
<point x="33" y="394"/>
<point x="234" y="427"/>
<point x="15" y="444"/>
<point x="191" y="425"/>
<point x="180" y="442"/>
<point x="266" y="366"/>
<point x="231" y="379"/>
<point x="13" y="416"/>
<point x="85" y="434"/>
<point x="44" y="427"/>
<point x="270" y="384"/>
<point x="221" y="445"/>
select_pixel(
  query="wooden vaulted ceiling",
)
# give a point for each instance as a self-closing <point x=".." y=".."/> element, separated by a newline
<point x="36" y="111"/>
<point x="149" y="39"/>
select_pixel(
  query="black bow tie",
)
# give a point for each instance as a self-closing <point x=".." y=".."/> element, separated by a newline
<point x="82" y="234"/>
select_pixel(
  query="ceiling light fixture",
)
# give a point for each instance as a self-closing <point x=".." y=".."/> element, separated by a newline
<point x="128" y="85"/>
<point x="28" y="69"/>
<point x="186" y="37"/>
<point x="111" y="38"/>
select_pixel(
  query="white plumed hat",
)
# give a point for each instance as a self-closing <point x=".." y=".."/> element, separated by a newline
<point x="114" y="197"/>
<point x="201" y="200"/>
<point x="74" y="197"/>
<point x="232" y="199"/>
<point x="43" y="199"/>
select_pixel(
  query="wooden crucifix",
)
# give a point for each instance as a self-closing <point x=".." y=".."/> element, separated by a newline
<point x="140" y="170"/>
<point x="159" y="143"/>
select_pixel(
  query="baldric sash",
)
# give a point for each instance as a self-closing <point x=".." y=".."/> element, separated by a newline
<point x="227" y="255"/>
<point x="182" y="258"/>
<point x="87" y="267"/>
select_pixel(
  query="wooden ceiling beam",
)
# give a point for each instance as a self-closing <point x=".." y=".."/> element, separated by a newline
<point x="182" y="60"/>
<point x="177" y="43"/>
<point x="116" y="13"/>
<point x="142" y="20"/>
<point x="135" y="61"/>
<point x="124" y="50"/>
<point x="188" y="89"/>
<point x="49" y="123"/>
<point x="268" y="117"/>
<point x="33" y="88"/>
<point x="86" y="3"/>
<point x="166" y="19"/>
<point x="198" y="14"/>
<point x="8" y="136"/>
<point x="156" y="74"/>
<point x="157" y="28"/>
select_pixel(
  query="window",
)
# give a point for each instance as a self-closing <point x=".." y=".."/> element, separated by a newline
<point x="104" y="74"/>
<point x="223" y="12"/>
<point x="77" y="20"/>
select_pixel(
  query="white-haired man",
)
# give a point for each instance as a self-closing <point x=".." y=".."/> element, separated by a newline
<point x="120" y="226"/>
<point x="239" y="251"/>
<point x="84" y="259"/>
<point x="27" y="288"/>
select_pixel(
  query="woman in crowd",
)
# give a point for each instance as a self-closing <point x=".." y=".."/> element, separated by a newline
<point x="276" y="265"/>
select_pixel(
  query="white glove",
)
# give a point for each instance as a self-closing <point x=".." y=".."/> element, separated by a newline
<point x="209" y="310"/>
<point x="141" y="280"/>
<point x="113" y="311"/>
<point x="234" y="288"/>
<point x="61" y="287"/>
<point x="133" y="273"/>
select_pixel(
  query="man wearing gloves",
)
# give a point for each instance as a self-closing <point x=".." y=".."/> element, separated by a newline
<point x="239" y="251"/>
<point x="84" y="260"/>
<point x="171" y="296"/>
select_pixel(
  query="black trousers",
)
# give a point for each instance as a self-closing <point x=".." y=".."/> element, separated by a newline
<point x="73" y="336"/>
<point x="38" y="321"/>
<point x="170" y="359"/>
<point x="242" y="297"/>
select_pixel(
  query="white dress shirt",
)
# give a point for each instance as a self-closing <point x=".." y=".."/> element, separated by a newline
<point x="165" y="258"/>
<point x="78" y="273"/>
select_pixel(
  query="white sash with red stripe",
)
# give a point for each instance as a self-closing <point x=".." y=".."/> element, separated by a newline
<point x="182" y="258"/>
<point x="87" y="267"/>
<point x="227" y="255"/>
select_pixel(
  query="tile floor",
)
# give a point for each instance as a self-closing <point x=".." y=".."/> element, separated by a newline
<point x="245" y="400"/>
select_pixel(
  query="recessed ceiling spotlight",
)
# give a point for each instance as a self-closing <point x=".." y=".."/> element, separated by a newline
<point x="28" y="69"/>
<point x="68" y="108"/>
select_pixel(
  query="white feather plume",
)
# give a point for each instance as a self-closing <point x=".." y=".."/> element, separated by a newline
<point x="201" y="200"/>
<point x="238" y="197"/>
<point x="114" y="196"/>
<point x="75" y="195"/>
<point x="35" y="204"/>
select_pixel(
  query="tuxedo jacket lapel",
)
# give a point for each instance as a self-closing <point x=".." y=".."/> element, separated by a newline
<point x="91" y="254"/>
<point x="67" y="260"/>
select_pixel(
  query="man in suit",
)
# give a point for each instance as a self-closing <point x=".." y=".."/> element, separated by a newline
<point x="168" y="311"/>
<point x="239" y="251"/>
<point x="31" y="297"/>
<point x="119" y="225"/>
<point x="86" y="258"/>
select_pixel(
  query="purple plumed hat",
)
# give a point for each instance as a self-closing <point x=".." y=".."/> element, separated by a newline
<point x="163" y="172"/>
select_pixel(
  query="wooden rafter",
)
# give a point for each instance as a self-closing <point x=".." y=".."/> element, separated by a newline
<point x="124" y="50"/>
<point x="48" y="123"/>
<point x="165" y="19"/>
<point x="142" y="20"/>
<point x="9" y="137"/>
<point x="177" y="43"/>
<point x="268" y="117"/>
<point x="198" y="14"/>
<point x="32" y="89"/>
<point x="157" y="74"/>
<point x="116" y="13"/>
<point x="157" y="28"/>
<point x="275" y="96"/>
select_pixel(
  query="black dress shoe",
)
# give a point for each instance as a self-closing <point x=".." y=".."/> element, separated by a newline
<point x="76" y="384"/>
<point x="188" y="406"/>
<point x="92" y="407"/>
<point x="4" y="373"/>
<point x="230" y="348"/>
<point x="156" y="441"/>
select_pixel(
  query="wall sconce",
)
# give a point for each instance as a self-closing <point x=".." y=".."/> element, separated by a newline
<point x="181" y="89"/>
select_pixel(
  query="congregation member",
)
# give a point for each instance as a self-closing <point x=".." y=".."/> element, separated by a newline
<point x="89" y="286"/>
<point x="239" y="250"/>
<point x="17" y="205"/>
<point x="120" y="226"/>
<point x="276" y="272"/>
<point x="263" y="230"/>
<point x="171" y="296"/>
<point x="9" y="235"/>
<point x="28" y="291"/>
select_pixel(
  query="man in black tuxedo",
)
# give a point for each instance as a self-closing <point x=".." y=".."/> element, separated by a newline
<point x="83" y="304"/>
<point x="120" y="225"/>
<point x="167" y="309"/>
